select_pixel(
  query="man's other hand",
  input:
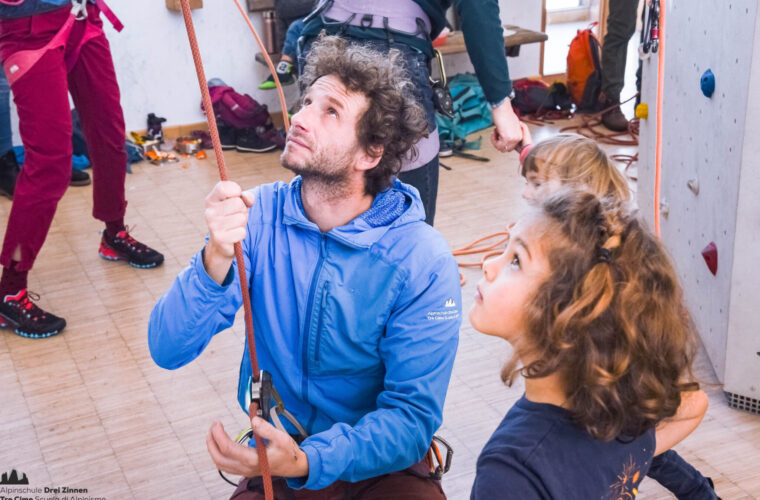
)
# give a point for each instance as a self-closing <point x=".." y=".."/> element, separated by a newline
<point x="507" y="134"/>
<point x="286" y="459"/>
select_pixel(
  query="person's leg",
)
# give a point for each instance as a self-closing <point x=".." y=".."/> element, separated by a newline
<point x="285" y="68"/>
<point x="8" y="164"/>
<point x="409" y="484"/>
<point x="684" y="481"/>
<point x="621" y="24"/>
<point x="95" y="91"/>
<point x="253" y="489"/>
<point x="425" y="179"/>
<point x="42" y="101"/>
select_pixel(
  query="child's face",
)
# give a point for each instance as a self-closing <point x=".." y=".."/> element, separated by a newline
<point x="537" y="187"/>
<point x="510" y="281"/>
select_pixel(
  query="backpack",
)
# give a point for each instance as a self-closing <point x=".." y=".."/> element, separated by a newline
<point x="584" y="69"/>
<point x="536" y="97"/>
<point x="471" y="110"/>
<point x="237" y="110"/>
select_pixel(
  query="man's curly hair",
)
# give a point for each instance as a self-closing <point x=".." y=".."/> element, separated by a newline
<point x="393" y="121"/>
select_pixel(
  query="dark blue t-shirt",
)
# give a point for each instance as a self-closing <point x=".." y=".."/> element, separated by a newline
<point x="537" y="452"/>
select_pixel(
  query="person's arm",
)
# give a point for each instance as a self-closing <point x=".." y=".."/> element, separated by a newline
<point x="418" y="351"/>
<point x="205" y="296"/>
<point x="672" y="431"/>
<point x="484" y="38"/>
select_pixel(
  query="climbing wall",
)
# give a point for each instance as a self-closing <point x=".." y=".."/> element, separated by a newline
<point x="710" y="176"/>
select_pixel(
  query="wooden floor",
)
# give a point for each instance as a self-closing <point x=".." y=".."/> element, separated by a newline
<point x="90" y="409"/>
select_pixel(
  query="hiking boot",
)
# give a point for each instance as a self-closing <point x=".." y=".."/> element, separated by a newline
<point x="614" y="119"/>
<point x="284" y="71"/>
<point x="27" y="318"/>
<point x="125" y="247"/>
<point x="227" y="135"/>
<point x="79" y="178"/>
<point x="248" y="141"/>
<point x="8" y="173"/>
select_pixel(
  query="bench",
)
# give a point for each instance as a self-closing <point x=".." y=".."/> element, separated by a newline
<point x="514" y="38"/>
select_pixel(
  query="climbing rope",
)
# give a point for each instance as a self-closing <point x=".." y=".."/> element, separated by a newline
<point x="658" y="140"/>
<point x="486" y="246"/>
<point x="253" y="409"/>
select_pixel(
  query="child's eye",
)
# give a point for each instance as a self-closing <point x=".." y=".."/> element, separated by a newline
<point x="515" y="262"/>
<point x="306" y="101"/>
<point x="332" y="112"/>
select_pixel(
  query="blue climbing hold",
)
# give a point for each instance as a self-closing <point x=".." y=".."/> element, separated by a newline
<point x="708" y="83"/>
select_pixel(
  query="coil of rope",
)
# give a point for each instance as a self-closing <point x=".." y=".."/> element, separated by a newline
<point x="213" y="131"/>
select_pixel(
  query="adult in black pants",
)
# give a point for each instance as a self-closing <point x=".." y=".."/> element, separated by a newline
<point x="409" y="26"/>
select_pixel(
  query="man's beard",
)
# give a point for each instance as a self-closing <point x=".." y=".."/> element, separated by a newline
<point x="323" y="172"/>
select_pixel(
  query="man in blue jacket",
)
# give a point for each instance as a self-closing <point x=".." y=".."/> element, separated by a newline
<point x="356" y="301"/>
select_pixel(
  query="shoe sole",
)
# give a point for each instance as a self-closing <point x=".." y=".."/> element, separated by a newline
<point x="81" y="183"/>
<point x="6" y="194"/>
<point x="445" y="154"/>
<point x="6" y="322"/>
<point x="252" y="150"/>
<point x="114" y="257"/>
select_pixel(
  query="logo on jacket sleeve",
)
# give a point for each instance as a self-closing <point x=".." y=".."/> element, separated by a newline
<point x="449" y="311"/>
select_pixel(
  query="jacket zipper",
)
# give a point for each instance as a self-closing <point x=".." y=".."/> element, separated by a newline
<point x="307" y="322"/>
<point x="319" y="325"/>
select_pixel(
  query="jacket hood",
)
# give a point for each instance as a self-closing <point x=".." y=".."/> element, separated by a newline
<point x="398" y="205"/>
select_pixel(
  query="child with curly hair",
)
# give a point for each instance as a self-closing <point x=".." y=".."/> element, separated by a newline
<point x="592" y="307"/>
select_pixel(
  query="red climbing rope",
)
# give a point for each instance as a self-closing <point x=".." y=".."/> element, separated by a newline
<point x="208" y="107"/>
<point x="658" y="118"/>
<point x="590" y="122"/>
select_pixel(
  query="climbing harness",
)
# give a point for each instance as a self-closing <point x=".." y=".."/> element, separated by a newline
<point x="19" y="63"/>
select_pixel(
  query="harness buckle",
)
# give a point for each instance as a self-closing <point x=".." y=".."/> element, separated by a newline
<point x="79" y="9"/>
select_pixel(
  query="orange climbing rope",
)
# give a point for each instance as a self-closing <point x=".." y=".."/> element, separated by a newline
<point x="658" y="140"/>
<point x="484" y="246"/>
<point x="208" y="107"/>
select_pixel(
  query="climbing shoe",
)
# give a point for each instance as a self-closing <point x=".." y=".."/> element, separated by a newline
<point x="284" y="73"/>
<point x="125" y="247"/>
<point x="8" y="173"/>
<point x="27" y="318"/>
<point x="79" y="178"/>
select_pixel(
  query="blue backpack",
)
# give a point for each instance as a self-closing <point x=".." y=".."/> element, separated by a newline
<point x="471" y="110"/>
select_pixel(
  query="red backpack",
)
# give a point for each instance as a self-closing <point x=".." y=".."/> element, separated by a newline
<point x="584" y="69"/>
<point x="238" y="110"/>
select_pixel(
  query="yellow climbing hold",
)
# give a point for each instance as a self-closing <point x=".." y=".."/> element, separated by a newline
<point x="642" y="111"/>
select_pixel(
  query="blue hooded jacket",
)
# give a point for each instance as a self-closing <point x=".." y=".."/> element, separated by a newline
<point x="358" y="327"/>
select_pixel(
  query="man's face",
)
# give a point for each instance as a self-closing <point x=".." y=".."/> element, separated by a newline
<point x="322" y="143"/>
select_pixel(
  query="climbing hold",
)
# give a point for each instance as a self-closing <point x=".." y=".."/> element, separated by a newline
<point x="664" y="209"/>
<point x="708" y="83"/>
<point x="710" y="254"/>
<point x="642" y="111"/>
<point x="693" y="185"/>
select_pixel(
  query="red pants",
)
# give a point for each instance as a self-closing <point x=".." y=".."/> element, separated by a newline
<point x="410" y="484"/>
<point x="41" y="96"/>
